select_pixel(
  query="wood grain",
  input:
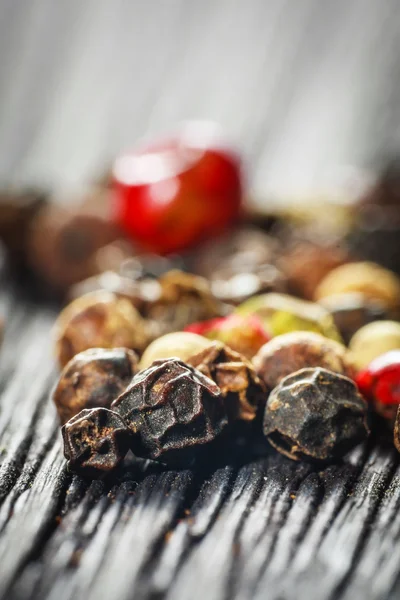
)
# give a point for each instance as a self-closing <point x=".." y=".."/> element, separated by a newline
<point x="233" y="530"/>
<point x="302" y="87"/>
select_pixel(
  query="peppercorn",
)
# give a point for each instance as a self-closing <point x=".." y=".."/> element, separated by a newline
<point x="352" y="311"/>
<point x="184" y="298"/>
<point x="245" y="334"/>
<point x="98" y="320"/>
<point x="373" y="340"/>
<point x="315" y="414"/>
<point x="93" y="378"/>
<point x="306" y="262"/>
<point x="180" y="344"/>
<point x="62" y="242"/>
<point x="379" y="382"/>
<point x="172" y="410"/>
<point x="243" y="392"/>
<point x="281" y="313"/>
<point x="367" y="278"/>
<point x="95" y="442"/>
<point x="291" y="352"/>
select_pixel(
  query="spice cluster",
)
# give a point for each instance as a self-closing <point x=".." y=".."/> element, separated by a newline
<point x="168" y="376"/>
<point x="291" y="330"/>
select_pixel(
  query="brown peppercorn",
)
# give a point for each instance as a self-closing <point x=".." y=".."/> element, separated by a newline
<point x="93" y="378"/>
<point x="62" y="242"/>
<point x="243" y="392"/>
<point x="184" y="298"/>
<point x="306" y="263"/>
<point x="172" y="410"/>
<point x="315" y="414"/>
<point x="95" y="442"/>
<point x="98" y="320"/>
<point x="291" y="352"/>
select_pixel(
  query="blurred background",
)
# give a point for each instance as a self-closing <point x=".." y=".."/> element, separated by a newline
<point x="302" y="87"/>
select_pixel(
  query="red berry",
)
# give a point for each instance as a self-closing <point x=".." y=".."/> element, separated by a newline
<point x="380" y="382"/>
<point x="205" y="327"/>
<point x="243" y="334"/>
<point x="171" y="195"/>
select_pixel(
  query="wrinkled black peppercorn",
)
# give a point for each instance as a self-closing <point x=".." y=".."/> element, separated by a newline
<point x="95" y="441"/>
<point x="92" y="379"/>
<point x="172" y="410"/>
<point x="242" y="389"/>
<point x="315" y="414"/>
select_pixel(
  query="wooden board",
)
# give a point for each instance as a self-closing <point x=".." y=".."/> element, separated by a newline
<point x="265" y="528"/>
<point x="301" y="86"/>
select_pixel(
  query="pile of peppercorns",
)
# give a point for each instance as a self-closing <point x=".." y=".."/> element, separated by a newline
<point x="291" y="331"/>
<point x="166" y="375"/>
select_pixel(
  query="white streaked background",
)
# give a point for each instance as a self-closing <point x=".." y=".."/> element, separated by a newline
<point x="302" y="86"/>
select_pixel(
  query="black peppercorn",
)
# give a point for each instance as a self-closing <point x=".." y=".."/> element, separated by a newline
<point x="172" y="410"/>
<point x="93" y="378"/>
<point x="315" y="414"/>
<point x="95" y="441"/>
<point x="241" y="388"/>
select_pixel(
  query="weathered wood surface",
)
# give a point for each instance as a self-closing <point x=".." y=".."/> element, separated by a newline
<point x="302" y="86"/>
<point x="266" y="528"/>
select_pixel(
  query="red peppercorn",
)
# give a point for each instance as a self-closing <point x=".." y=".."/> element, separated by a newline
<point x="246" y="334"/>
<point x="380" y="383"/>
<point x="170" y="195"/>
